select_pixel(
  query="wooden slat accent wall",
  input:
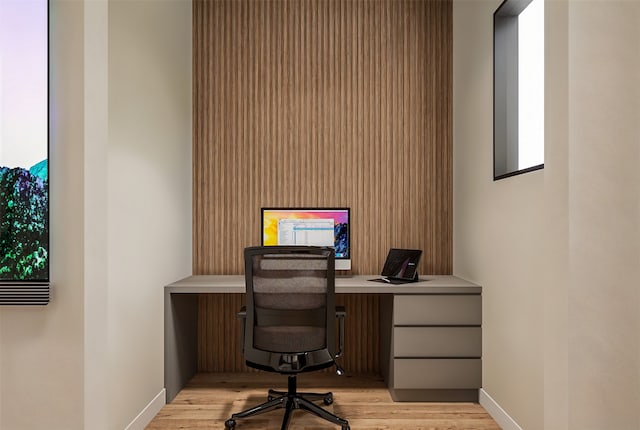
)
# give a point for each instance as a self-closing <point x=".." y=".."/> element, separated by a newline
<point x="320" y="103"/>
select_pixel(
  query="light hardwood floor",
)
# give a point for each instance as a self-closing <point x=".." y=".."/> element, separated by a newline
<point x="211" y="398"/>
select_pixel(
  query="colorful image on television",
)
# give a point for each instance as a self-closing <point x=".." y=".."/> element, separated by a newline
<point x="24" y="168"/>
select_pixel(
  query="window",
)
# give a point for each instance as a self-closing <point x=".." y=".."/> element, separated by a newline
<point x="518" y="85"/>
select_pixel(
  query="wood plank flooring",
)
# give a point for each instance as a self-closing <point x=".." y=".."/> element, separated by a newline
<point x="210" y="398"/>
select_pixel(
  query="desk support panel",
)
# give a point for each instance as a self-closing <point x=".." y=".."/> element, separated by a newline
<point x="181" y="345"/>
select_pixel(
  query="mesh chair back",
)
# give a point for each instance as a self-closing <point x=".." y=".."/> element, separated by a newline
<point x="290" y="307"/>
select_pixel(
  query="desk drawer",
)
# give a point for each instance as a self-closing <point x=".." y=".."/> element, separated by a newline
<point x="437" y="310"/>
<point x="437" y="373"/>
<point x="437" y="342"/>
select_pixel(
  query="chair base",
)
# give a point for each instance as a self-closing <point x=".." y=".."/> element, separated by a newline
<point x="290" y="401"/>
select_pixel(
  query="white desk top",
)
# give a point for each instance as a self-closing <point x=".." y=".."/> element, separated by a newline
<point x="428" y="284"/>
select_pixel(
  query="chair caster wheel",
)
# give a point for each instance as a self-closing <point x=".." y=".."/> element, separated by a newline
<point x="270" y="398"/>
<point x="230" y="424"/>
<point x="329" y="400"/>
<point x="346" y="428"/>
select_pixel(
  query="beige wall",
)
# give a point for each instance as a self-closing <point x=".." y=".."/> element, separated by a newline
<point x="149" y="190"/>
<point x="120" y="218"/>
<point x="556" y="250"/>
<point x="497" y="227"/>
<point x="604" y="206"/>
<point x="556" y="214"/>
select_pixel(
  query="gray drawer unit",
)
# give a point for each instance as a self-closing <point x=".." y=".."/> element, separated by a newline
<point x="435" y="347"/>
<point x="442" y="309"/>
<point x="439" y="373"/>
<point x="437" y="342"/>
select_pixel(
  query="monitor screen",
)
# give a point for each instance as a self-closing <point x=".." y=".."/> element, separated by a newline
<point x="309" y="226"/>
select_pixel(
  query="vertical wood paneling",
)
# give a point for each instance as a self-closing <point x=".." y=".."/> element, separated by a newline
<point x="320" y="103"/>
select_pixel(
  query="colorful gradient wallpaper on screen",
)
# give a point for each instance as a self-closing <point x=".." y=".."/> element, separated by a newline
<point x="24" y="168"/>
<point x="271" y="217"/>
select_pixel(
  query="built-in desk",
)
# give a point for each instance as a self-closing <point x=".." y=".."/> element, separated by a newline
<point x="431" y="336"/>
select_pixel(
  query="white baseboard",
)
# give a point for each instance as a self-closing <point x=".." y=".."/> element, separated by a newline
<point x="497" y="413"/>
<point x="150" y="411"/>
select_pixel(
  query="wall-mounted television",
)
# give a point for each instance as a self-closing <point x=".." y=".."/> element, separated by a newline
<point x="24" y="143"/>
<point x="310" y="226"/>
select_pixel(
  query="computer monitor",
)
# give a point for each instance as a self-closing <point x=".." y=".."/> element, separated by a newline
<point x="309" y="226"/>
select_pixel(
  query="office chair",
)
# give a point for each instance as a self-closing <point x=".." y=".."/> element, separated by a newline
<point x="289" y="324"/>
